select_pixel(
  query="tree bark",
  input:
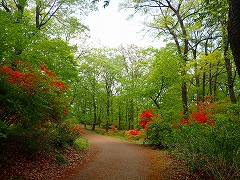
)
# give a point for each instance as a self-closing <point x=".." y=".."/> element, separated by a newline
<point x="94" y="114"/>
<point x="228" y="66"/>
<point x="119" y="118"/>
<point x="233" y="31"/>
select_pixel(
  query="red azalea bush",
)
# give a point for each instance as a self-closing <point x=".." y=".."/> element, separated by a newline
<point x="201" y="115"/>
<point x="148" y="115"/>
<point x="134" y="134"/>
<point x="206" y="145"/>
<point x="67" y="134"/>
<point x="156" y="129"/>
<point x="31" y="97"/>
<point x="33" y="106"/>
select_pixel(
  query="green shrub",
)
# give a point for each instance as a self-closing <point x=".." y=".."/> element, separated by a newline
<point x="66" y="134"/>
<point x="34" y="142"/>
<point x="4" y="129"/>
<point x="121" y="133"/>
<point x="100" y="131"/>
<point x="60" y="160"/>
<point x="212" y="149"/>
<point x="81" y="144"/>
<point x="158" y="133"/>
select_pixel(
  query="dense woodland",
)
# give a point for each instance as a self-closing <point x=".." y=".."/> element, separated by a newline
<point x="49" y="85"/>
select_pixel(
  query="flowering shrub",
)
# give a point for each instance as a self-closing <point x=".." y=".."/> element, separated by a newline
<point x="31" y="97"/>
<point x="214" y="150"/>
<point x="67" y="134"/>
<point x="201" y="115"/>
<point x="134" y="134"/>
<point x="148" y="115"/>
<point x="208" y="145"/>
<point x="113" y="130"/>
<point x="33" y="105"/>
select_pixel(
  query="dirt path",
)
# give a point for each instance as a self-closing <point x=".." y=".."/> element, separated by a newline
<point x="116" y="159"/>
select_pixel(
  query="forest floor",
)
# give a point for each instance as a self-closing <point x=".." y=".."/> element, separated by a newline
<point x="107" y="158"/>
<point x="117" y="159"/>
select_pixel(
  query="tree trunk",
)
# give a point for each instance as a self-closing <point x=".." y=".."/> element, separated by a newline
<point x="37" y="17"/>
<point x="119" y="118"/>
<point x="233" y="31"/>
<point x="203" y="85"/>
<point x="131" y="115"/>
<point x="210" y="79"/>
<point x="197" y="77"/>
<point x="108" y="115"/>
<point x="94" y="114"/>
<point x="184" y="97"/>
<point x="204" y="73"/>
<point x="228" y="66"/>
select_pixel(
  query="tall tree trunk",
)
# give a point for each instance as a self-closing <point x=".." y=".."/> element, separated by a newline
<point x="184" y="97"/>
<point x="119" y="118"/>
<point x="204" y="72"/>
<point x="108" y="114"/>
<point x="210" y="79"/>
<point x="203" y="85"/>
<point x="131" y="116"/>
<point x="228" y="66"/>
<point x="94" y="114"/>
<point x="37" y="17"/>
<point x="197" y="78"/>
<point x="184" y="87"/>
<point x="233" y="31"/>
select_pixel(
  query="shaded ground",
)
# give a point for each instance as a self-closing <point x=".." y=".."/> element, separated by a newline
<point x="116" y="159"/>
<point x="18" y="166"/>
<point x="107" y="158"/>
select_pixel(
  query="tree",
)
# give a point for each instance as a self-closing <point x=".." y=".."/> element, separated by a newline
<point x="55" y="53"/>
<point x="233" y="25"/>
<point x="35" y="20"/>
<point x="88" y="79"/>
<point x="233" y="31"/>
<point x="106" y="2"/>
<point x="171" y="18"/>
<point x="134" y="69"/>
<point x="44" y="12"/>
<point x="163" y="76"/>
<point x="109" y="76"/>
<point x="15" y="37"/>
<point x="221" y="16"/>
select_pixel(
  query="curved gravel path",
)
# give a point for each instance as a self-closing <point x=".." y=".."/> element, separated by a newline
<point x="117" y="159"/>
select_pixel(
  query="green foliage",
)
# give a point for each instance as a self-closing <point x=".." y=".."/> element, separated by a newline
<point x="29" y="98"/>
<point x="158" y="133"/>
<point x="15" y="37"/>
<point x="66" y="134"/>
<point x="211" y="149"/>
<point x="60" y="160"/>
<point x="56" y="54"/>
<point x="4" y="130"/>
<point x="81" y="144"/>
<point x="34" y="100"/>
<point x="30" y="142"/>
<point x="33" y="109"/>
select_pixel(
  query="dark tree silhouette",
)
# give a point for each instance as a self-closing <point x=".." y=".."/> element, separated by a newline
<point x="106" y="2"/>
<point x="234" y="31"/>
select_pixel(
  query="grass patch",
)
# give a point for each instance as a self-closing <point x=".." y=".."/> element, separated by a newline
<point x="81" y="144"/>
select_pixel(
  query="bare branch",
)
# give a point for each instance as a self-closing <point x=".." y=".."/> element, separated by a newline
<point x="4" y="5"/>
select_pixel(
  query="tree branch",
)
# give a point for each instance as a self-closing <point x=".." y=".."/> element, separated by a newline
<point x="4" y="5"/>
